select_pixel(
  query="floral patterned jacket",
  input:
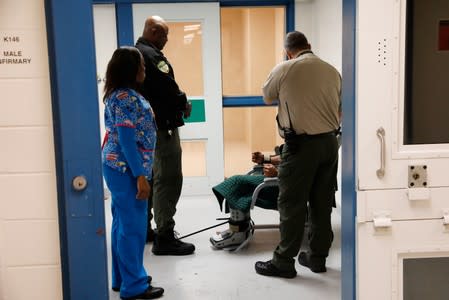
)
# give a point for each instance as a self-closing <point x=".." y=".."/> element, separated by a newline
<point x="126" y="109"/>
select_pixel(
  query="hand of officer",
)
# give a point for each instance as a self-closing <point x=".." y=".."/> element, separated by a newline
<point x="143" y="188"/>
<point x="188" y="110"/>
<point x="257" y="157"/>
<point x="269" y="170"/>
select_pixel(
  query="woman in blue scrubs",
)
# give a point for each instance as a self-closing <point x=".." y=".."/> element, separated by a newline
<point x="127" y="162"/>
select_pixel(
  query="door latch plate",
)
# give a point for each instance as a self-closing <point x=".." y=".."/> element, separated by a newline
<point x="417" y="176"/>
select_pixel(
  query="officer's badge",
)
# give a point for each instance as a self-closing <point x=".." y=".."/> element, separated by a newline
<point x="163" y="67"/>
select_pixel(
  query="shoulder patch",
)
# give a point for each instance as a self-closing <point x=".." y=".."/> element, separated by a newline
<point x="163" y="67"/>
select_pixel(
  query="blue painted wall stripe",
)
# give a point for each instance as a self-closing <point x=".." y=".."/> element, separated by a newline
<point x="349" y="199"/>
<point x="124" y="20"/>
<point x="290" y="16"/>
<point x="222" y="2"/>
<point x="243" y="101"/>
<point x="149" y="1"/>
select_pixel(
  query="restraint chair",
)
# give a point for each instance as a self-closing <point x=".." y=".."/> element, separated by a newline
<point x="241" y="226"/>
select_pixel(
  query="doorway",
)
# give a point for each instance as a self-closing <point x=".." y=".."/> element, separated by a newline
<point x="64" y="12"/>
<point x="188" y="32"/>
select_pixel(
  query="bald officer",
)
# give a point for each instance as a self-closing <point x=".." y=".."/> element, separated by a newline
<point x="170" y="105"/>
<point x="309" y="110"/>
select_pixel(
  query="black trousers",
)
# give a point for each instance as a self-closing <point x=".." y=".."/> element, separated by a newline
<point x="166" y="182"/>
<point x="306" y="175"/>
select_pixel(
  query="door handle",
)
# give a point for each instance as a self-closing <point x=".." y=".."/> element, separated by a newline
<point x="79" y="183"/>
<point x="381" y="135"/>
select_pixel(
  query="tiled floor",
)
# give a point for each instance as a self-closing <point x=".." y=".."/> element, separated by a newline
<point x="220" y="275"/>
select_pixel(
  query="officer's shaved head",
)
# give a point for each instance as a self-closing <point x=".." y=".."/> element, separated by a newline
<point x="156" y="31"/>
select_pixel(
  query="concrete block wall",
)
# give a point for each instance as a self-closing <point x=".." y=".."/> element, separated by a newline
<point x="29" y="232"/>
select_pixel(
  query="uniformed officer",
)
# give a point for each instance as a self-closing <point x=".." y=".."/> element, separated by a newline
<point x="309" y="110"/>
<point x="170" y="105"/>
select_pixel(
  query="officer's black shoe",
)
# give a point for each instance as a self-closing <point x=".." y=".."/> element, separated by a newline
<point x="150" y="293"/>
<point x="315" y="264"/>
<point x="268" y="269"/>
<point x="150" y="235"/>
<point x="168" y="244"/>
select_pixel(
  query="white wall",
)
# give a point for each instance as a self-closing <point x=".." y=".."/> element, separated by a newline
<point x="29" y="240"/>
<point x="321" y="22"/>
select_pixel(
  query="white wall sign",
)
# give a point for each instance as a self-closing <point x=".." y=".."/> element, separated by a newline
<point x="21" y="54"/>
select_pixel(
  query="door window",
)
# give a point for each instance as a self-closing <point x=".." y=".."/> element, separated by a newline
<point x="194" y="158"/>
<point x="427" y="72"/>
<point x="426" y="278"/>
<point x="185" y="52"/>
<point x="252" y="44"/>
<point x="193" y="49"/>
<point x="246" y="130"/>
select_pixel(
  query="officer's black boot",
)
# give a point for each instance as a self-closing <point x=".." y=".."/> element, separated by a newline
<point x="150" y="235"/>
<point x="168" y="244"/>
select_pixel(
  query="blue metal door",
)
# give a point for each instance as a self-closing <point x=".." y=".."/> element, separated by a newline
<point x="77" y="148"/>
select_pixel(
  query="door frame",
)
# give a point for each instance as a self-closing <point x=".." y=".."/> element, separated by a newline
<point x="123" y="9"/>
<point x="83" y="243"/>
<point x="348" y="173"/>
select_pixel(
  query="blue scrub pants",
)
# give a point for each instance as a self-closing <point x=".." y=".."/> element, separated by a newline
<point x="128" y="234"/>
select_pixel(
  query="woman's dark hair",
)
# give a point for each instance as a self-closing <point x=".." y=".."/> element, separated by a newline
<point x="122" y="70"/>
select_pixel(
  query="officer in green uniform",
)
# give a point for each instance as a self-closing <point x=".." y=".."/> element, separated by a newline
<point x="170" y="105"/>
<point x="309" y="112"/>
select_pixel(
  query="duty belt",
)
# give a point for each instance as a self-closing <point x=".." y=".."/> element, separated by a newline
<point x="305" y="137"/>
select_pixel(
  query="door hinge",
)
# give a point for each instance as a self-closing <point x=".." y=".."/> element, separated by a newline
<point x="446" y="217"/>
<point x="382" y="219"/>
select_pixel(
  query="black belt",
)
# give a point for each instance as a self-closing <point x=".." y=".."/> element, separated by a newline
<point x="333" y="132"/>
<point x="305" y="136"/>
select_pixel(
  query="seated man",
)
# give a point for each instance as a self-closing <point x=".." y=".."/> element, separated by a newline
<point x="238" y="191"/>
